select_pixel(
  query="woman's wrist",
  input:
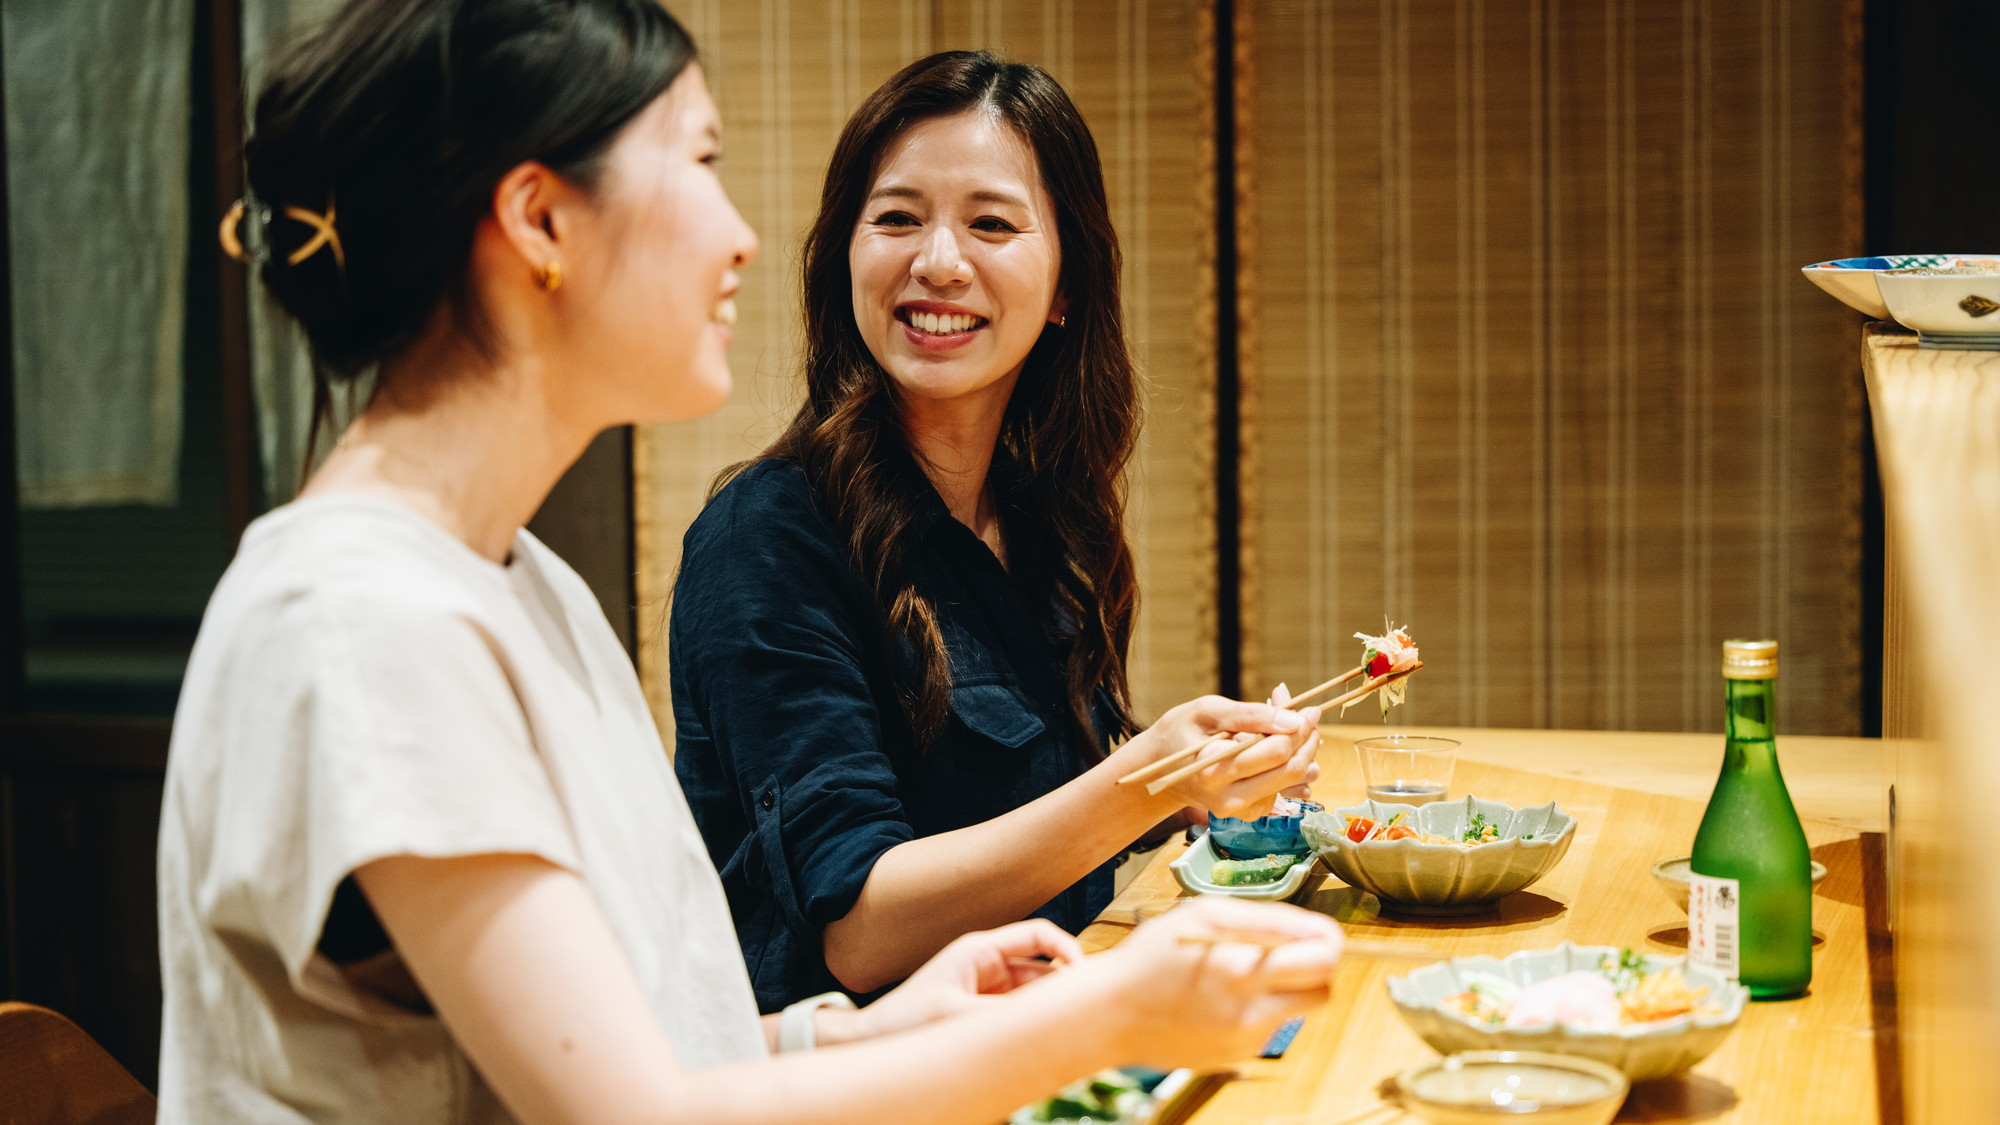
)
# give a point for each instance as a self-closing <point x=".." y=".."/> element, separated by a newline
<point x="834" y="1026"/>
<point x="1096" y="999"/>
<point x="1140" y="751"/>
<point x="816" y="1022"/>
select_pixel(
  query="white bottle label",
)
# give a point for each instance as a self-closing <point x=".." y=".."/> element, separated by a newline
<point x="1712" y="932"/>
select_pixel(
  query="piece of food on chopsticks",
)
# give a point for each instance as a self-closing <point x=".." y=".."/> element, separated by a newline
<point x="1387" y="655"/>
<point x="1620" y="992"/>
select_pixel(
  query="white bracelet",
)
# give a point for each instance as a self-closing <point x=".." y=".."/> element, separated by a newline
<point x="795" y="1026"/>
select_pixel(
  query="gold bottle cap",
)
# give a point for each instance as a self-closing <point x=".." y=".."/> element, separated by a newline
<point x="1749" y="660"/>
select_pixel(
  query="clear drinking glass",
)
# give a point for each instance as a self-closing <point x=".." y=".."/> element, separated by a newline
<point x="1407" y="769"/>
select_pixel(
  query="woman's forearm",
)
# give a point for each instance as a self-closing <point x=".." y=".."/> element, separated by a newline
<point x="923" y="893"/>
<point x="922" y="1078"/>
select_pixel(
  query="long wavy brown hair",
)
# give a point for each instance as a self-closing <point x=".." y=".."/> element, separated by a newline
<point x="1057" y="475"/>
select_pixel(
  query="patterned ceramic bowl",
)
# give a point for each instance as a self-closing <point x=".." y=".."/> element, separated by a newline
<point x="1852" y="280"/>
<point x="1641" y="1051"/>
<point x="1266" y="835"/>
<point x="1413" y="877"/>
<point x="1948" y="306"/>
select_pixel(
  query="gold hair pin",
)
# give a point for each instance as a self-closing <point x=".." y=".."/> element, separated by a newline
<point x="324" y="233"/>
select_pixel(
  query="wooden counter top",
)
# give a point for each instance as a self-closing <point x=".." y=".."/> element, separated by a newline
<point x="1812" y="1060"/>
<point x="1840" y="780"/>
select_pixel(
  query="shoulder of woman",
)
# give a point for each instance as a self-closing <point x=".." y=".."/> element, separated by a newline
<point x="769" y="506"/>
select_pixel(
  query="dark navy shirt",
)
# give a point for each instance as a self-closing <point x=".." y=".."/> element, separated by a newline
<point x="792" y="749"/>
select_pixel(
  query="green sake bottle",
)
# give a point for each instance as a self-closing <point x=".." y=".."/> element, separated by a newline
<point x="1750" y="894"/>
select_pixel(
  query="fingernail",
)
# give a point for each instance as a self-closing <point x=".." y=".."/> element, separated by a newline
<point x="1286" y="720"/>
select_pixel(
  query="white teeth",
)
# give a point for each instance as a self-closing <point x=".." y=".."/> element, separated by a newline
<point x="939" y="324"/>
<point x="725" y="312"/>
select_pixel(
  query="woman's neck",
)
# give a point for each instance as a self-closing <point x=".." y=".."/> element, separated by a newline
<point x="474" y="447"/>
<point x="953" y="442"/>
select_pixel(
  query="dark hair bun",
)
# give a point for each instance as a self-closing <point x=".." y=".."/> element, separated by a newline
<point x="400" y="116"/>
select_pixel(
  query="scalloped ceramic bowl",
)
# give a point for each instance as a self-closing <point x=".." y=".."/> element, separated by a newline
<point x="1191" y="870"/>
<point x="1644" y="1051"/>
<point x="1444" y="879"/>
<point x="1852" y="280"/>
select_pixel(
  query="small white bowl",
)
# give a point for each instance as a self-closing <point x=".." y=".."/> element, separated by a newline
<point x="1444" y="879"/>
<point x="1852" y="280"/>
<point x="1480" y="1087"/>
<point x="1672" y="875"/>
<point x="1948" y="310"/>
<point x="1192" y="867"/>
<point x="1642" y="1051"/>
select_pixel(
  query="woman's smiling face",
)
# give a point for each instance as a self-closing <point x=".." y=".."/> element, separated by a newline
<point x="954" y="259"/>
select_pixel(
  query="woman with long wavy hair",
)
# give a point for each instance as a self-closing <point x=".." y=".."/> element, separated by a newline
<point x="899" y="637"/>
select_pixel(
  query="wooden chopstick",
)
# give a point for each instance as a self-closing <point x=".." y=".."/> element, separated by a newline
<point x="1381" y="950"/>
<point x="1358" y="669"/>
<point x="1155" y="768"/>
<point x="1236" y="742"/>
<point x="1158" y="784"/>
<point x="1362" y="691"/>
<point x="1161" y="765"/>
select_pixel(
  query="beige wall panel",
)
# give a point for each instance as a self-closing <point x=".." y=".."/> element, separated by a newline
<point x="786" y="76"/>
<point x="1541" y="380"/>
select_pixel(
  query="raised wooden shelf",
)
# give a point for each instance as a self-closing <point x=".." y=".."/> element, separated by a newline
<point x="1937" y="436"/>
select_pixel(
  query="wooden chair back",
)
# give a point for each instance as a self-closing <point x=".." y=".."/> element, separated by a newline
<point x="53" y="1073"/>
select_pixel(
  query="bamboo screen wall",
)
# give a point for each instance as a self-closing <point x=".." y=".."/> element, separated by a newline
<point x="785" y="76"/>
<point x="1524" y="358"/>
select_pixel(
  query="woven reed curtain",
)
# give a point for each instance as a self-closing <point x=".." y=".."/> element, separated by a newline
<point x="785" y="77"/>
<point x="1526" y="361"/>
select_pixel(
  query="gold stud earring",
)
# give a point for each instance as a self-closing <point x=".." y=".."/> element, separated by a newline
<point x="1062" y="321"/>
<point x="548" y="275"/>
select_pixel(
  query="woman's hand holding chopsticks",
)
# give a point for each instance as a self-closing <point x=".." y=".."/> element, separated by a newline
<point x="1247" y="754"/>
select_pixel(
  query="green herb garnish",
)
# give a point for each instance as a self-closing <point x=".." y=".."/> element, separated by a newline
<point x="1626" y="970"/>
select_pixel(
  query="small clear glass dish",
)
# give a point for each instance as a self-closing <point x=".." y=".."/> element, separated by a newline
<point x="1482" y="1087"/>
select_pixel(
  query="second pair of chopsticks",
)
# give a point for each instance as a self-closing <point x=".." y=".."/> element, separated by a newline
<point x="1382" y="950"/>
<point x="1152" y="774"/>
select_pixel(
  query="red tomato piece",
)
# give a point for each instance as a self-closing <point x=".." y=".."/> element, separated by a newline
<point x="1378" y="665"/>
<point x="1358" y="828"/>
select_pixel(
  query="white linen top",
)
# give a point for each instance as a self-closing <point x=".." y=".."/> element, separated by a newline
<point x="366" y="685"/>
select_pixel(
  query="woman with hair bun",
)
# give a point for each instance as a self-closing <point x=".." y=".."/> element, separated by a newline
<point x="899" y="637"/>
<point x="422" y="857"/>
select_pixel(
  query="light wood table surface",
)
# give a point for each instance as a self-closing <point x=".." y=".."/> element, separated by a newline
<point x="1842" y="780"/>
<point x="1813" y="1060"/>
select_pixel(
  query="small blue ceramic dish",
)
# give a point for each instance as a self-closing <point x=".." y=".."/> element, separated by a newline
<point x="1266" y="835"/>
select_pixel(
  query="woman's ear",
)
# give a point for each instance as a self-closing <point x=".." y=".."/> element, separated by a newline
<point x="1059" y="310"/>
<point x="528" y="208"/>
